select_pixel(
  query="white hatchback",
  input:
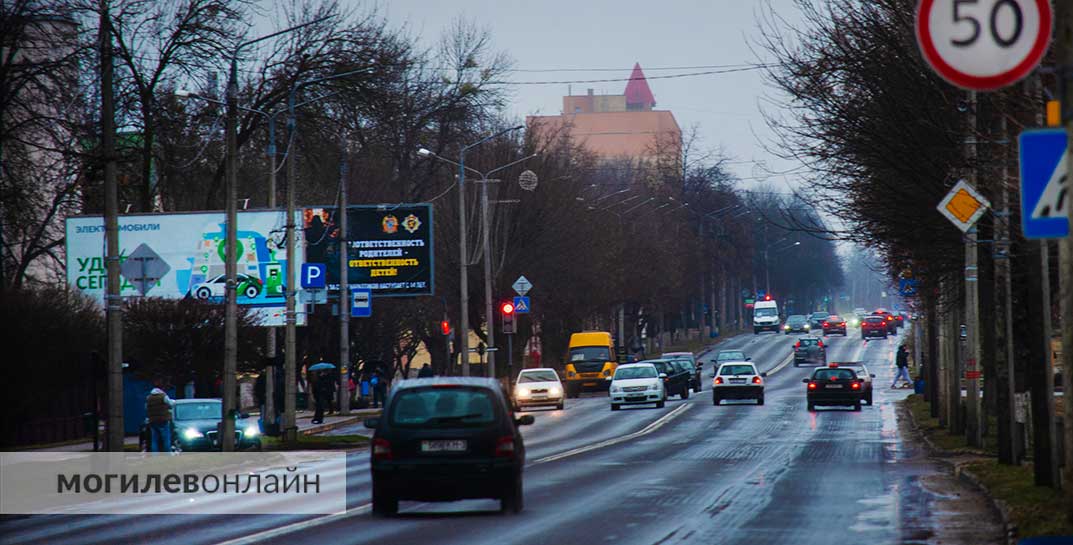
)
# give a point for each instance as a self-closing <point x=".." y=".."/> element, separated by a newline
<point x="637" y="383"/>
<point x="540" y="386"/>
<point x="737" y="380"/>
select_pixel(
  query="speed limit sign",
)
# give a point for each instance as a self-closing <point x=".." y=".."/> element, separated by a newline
<point x="983" y="44"/>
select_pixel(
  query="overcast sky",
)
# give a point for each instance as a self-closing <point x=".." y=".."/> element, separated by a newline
<point x="558" y="34"/>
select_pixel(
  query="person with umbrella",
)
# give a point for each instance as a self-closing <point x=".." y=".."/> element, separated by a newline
<point x="323" y="388"/>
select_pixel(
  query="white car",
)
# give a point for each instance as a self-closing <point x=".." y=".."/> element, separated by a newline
<point x="738" y="380"/>
<point x="637" y="383"/>
<point x="217" y="287"/>
<point x="540" y="386"/>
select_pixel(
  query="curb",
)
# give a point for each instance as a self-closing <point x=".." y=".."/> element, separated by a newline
<point x="353" y="419"/>
<point x="940" y="455"/>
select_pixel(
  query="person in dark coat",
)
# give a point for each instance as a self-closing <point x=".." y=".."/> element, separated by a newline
<point x="902" y="361"/>
<point x="425" y="372"/>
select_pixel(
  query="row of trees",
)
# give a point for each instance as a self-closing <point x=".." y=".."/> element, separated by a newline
<point x="669" y="244"/>
<point x="886" y="139"/>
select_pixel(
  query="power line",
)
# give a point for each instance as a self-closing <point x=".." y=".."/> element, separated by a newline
<point x="615" y="80"/>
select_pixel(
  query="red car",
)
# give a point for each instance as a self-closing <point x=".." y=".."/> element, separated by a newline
<point x="892" y="324"/>
<point x="834" y="324"/>
<point x="874" y="326"/>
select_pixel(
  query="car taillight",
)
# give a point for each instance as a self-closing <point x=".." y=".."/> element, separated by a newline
<point x="797" y="344"/>
<point x="505" y="447"/>
<point x="819" y="343"/>
<point x="842" y="324"/>
<point x="825" y="324"/>
<point x="855" y="386"/>
<point x="889" y="318"/>
<point x="381" y="449"/>
<point x="812" y="386"/>
<point x="756" y="380"/>
<point x="718" y="380"/>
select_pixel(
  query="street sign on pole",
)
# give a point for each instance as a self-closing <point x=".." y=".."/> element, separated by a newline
<point x="963" y="205"/>
<point x="521" y="305"/>
<point x="313" y="275"/>
<point x="361" y="303"/>
<point x="983" y="45"/>
<point x="522" y="286"/>
<point x="1044" y="185"/>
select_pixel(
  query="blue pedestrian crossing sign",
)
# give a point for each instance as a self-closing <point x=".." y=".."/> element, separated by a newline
<point x="1045" y="187"/>
<point x="521" y="305"/>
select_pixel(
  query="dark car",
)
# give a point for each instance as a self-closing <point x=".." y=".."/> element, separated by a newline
<point x="678" y="377"/>
<point x="447" y="439"/>
<point x="810" y="350"/>
<point x="834" y="386"/>
<point x="862" y="373"/>
<point x="796" y="323"/>
<point x="834" y="324"/>
<point x="697" y="382"/>
<point x="873" y="326"/>
<point x="194" y="424"/>
<point x="815" y="320"/>
<point x="899" y="319"/>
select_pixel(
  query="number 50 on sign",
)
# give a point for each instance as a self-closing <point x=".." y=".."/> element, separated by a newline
<point x="983" y="44"/>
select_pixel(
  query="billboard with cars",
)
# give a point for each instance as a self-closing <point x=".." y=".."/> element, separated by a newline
<point x="183" y="255"/>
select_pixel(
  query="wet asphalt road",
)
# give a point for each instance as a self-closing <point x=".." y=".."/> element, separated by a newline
<point x="736" y="473"/>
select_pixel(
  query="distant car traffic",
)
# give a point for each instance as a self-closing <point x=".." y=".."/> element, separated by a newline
<point x="246" y="285"/>
<point x="738" y="380"/>
<point x="676" y="378"/>
<point x="697" y="381"/>
<point x="195" y="422"/>
<point x="862" y="373"/>
<point x="874" y="327"/>
<point x="536" y="387"/>
<point x="810" y="350"/>
<point x="637" y="383"/>
<point x="834" y="324"/>
<point x="796" y="323"/>
<point x="815" y="320"/>
<point x="833" y="386"/>
<point x="447" y="439"/>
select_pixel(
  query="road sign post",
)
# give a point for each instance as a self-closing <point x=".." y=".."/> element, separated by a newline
<point x="361" y="303"/>
<point x="983" y="45"/>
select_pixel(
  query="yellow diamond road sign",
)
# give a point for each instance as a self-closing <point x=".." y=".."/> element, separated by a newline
<point x="963" y="205"/>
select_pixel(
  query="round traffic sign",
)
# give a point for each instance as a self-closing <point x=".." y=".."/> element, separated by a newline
<point x="983" y="44"/>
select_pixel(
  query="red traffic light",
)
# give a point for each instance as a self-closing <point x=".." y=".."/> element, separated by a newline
<point x="507" y="308"/>
<point x="445" y="327"/>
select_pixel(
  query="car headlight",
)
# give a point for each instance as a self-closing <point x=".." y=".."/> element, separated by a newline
<point x="654" y="387"/>
<point x="787" y="326"/>
<point x="616" y="389"/>
<point x="808" y="326"/>
<point x="555" y="391"/>
<point x="191" y="434"/>
<point x="521" y="392"/>
<point x="251" y="431"/>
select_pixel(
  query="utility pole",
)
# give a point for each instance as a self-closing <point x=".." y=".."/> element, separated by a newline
<point x="972" y="299"/>
<point x="227" y="425"/>
<point x="114" y="301"/>
<point x="344" y="281"/>
<point x="1004" y="362"/>
<point x="1063" y="45"/>
<point x="290" y="429"/>
<point x="489" y="305"/>
<point x="270" y="332"/>
<point x="463" y="265"/>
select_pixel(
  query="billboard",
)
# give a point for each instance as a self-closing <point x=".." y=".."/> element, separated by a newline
<point x="390" y="247"/>
<point x="182" y="255"/>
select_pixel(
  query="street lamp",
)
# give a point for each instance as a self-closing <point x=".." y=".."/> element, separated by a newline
<point x="464" y="281"/>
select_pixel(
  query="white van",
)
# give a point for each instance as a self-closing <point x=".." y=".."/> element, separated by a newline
<point x="765" y="316"/>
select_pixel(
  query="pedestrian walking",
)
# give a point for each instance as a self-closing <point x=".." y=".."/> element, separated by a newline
<point x="425" y="371"/>
<point x="902" y="361"/>
<point x="323" y="390"/>
<point x="378" y="387"/>
<point x="351" y="389"/>
<point x="158" y="408"/>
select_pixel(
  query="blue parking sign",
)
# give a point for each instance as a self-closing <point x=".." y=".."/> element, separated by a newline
<point x="1044" y="185"/>
<point x="313" y="275"/>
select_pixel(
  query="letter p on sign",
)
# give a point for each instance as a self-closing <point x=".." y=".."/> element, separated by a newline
<point x="313" y="275"/>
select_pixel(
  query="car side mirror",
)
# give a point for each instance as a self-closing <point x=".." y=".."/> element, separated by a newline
<point x="525" y="420"/>
<point x="763" y="375"/>
<point x="873" y="375"/>
<point x="372" y="423"/>
<point x="748" y="359"/>
<point x="805" y="380"/>
<point x="663" y="375"/>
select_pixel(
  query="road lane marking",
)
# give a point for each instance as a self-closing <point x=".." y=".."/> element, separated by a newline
<point x="786" y="361"/>
<point x="663" y="420"/>
<point x="296" y="526"/>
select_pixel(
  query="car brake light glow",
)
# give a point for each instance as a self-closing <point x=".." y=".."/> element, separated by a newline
<point x="797" y="344"/>
<point x="756" y="380"/>
<point x="833" y="365"/>
<point x="381" y="449"/>
<point x="819" y="343"/>
<point x="812" y="386"/>
<point x="505" y="447"/>
<point x="718" y="380"/>
<point x="890" y="318"/>
<point x="825" y="324"/>
<point x="855" y="386"/>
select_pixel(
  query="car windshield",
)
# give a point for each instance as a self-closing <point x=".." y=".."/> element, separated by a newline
<point x="635" y="372"/>
<point x="679" y="357"/>
<point x="833" y="318"/>
<point x="809" y="341"/>
<point x="728" y="355"/>
<point x="737" y="370"/>
<point x="538" y="376"/>
<point x="795" y="319"/>
<point x="873" y="319"/>
<point x="590" y="353"/>
<point x="443" y="407"/>
<point x="202" y="410"/>
<point x="768" y="311"/>
<point x="819" y="315"/>
<point x="663" y="366"/>
<point x="835" y="374"/>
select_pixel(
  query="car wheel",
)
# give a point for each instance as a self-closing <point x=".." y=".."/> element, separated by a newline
<point x="513" y="499"/>
<point x="870" y="399"/>
<point x="715" y="399"/>
<point x="203" y="293"/>
<point x="684" y="394"/>
<point x="614" y="406"/>
<point x="760" y="400"/>
<point x="811" y="407"/>
<point x="660" y="403"/>
<point x="384" y="505"/>
<point x="756" y="331"/>
<point x="857" y="406"/>
<point x="251" y="291"/>
<point x="559" y="406"/>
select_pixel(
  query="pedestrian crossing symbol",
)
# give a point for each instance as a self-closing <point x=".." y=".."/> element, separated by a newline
<point x="521" y="305"/>
<point x="1044" y="184"/>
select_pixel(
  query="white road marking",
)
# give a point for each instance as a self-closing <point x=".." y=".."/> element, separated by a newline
<point x="297" y="526"/>
<point x="616" y="440"/>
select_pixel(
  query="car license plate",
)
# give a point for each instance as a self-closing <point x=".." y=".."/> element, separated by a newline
<point x="455" y="445"/>
<point x="834" y="386"/>
<point x="540" y="396"/>
<point x="737" y="381"/>
<point x="635" y="398"/>
<point x="589" y="384"/>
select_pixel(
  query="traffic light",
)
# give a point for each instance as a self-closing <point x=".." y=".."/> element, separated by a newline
<point x="445" y="327"/>
<point x="506" y="310"/>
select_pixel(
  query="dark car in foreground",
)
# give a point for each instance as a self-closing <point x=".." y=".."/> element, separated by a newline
<point x="697" y="382"/>
<point x="834" y="386"/>
<point x="447" y="439"/>
<point x="194" y="425"/>
<point x="678" y="380"/>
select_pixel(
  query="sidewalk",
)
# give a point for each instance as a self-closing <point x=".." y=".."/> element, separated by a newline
<point x="303" y="418"/>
